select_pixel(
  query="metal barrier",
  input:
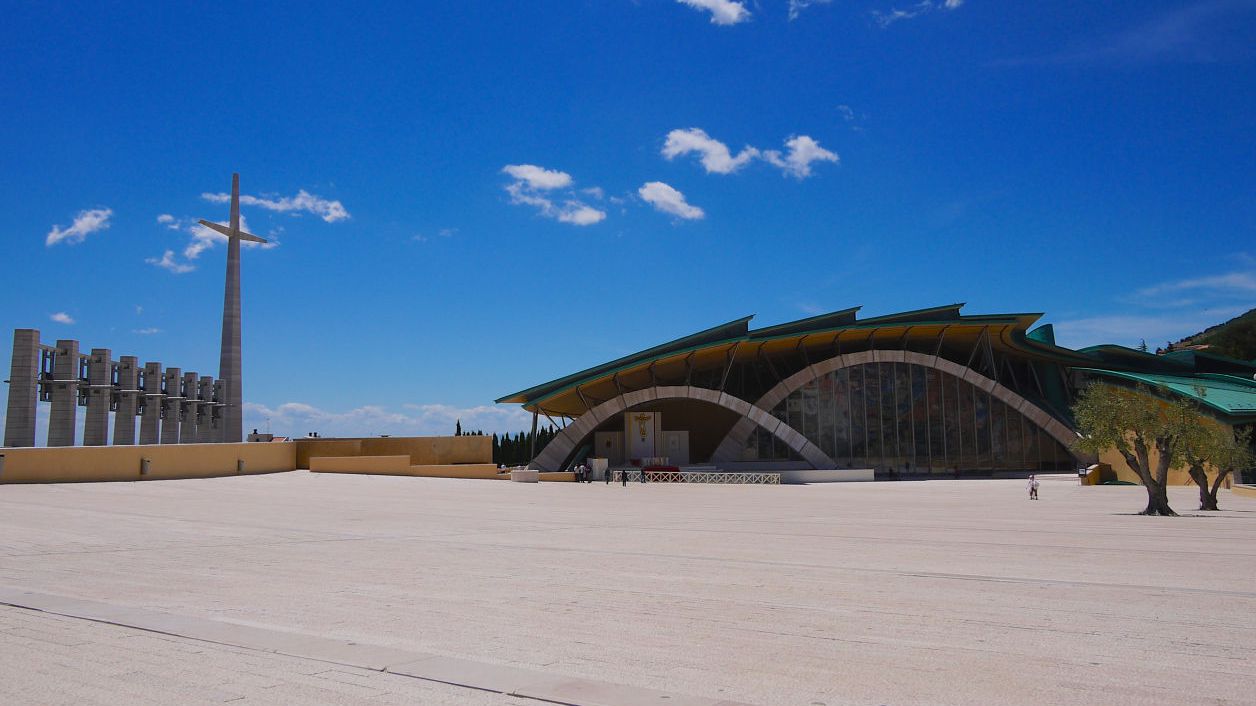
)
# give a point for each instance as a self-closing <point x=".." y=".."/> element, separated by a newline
<point x="698" y="477"/>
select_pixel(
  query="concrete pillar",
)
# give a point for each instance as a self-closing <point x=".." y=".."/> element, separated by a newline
<point x="99" y="397"/>
<point x="205" y="411"/>
<point x="171" y="407"/>
<point x="219" y="391"/>
<point x="128" y="393"/>
<point x="191" y="406"/>
<point x="150" y="423"/>
<point x="19" y="425"/>
<point x="65" y="383"/>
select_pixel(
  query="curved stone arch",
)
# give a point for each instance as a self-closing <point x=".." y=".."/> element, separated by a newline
<point x="730" y="447"/>
<point x="562" y="446"/>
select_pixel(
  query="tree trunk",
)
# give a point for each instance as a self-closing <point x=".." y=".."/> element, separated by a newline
<point x="1216" y="485"/>
<point x="1157" y="491"/>
<point x="1207" y="500"/>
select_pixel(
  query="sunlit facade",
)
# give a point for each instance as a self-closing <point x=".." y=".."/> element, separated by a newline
<point x="927" y="393"/>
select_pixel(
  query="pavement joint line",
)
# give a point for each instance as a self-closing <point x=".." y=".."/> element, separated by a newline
<point x="454" y="671"/>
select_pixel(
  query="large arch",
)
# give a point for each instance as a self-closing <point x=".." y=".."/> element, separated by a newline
<point x="730" y="448"/>
<point x="558" y="450"/>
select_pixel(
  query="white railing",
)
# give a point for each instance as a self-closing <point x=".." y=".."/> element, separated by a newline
<point x="698" y="477"/>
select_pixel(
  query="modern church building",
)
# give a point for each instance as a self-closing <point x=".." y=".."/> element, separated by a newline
<point x="928" y="392"/>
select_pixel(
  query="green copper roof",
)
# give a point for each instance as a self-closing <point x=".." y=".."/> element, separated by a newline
<point x="1233" y="395"/>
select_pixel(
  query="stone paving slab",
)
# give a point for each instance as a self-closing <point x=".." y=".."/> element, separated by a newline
<point x="510" y="681"/>
<point x="941" y="592"/>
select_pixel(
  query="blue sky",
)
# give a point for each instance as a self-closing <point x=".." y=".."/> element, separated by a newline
<point x="471" y="198"/>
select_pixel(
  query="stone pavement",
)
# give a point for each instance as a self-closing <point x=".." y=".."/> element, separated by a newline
<point x="912" y="592"/>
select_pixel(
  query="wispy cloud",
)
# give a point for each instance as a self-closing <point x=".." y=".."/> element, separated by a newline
<point x="85" y="223"/>
<point x="167" y="261"/>
<point x="152" y="330"/>
<point x="885" y="18"/>
<point x="668" y="200"/>
<point x="723" y="12"/>
<point x="1198" y="32"/>
<point x="801" y="152"/>
<point x="202" y="239"/>
<point x="299" y="419"/>
<point x="62" y="318"/>
<point x="853" y="119"/>
<point x="327" y="209"/>
<point x="715" y="155"/>
<point x="1241" y="284"/>
<point x="535" y="186"/>
<point x="797" y="6"/>
<point x="1129" y="330"/>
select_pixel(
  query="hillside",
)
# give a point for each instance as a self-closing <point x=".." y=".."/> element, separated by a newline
<point x="1235" y="338"/>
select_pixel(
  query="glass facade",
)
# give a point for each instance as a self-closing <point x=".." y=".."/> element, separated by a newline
<point x="912" y="420"/>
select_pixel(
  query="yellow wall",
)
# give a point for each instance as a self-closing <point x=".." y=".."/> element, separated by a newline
<point x="1178" y="475"/>
<point x="115" y="463"/>
<point x="384" y="465"/>
<point x="460" y="470"/>
<point x="434" y="456"/>
<point x="422" y="450"/>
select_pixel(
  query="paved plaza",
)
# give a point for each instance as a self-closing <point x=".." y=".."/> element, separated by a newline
<point x="308" y="588"/>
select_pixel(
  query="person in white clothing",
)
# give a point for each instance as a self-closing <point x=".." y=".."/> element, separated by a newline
<point x="1033" y="487"/>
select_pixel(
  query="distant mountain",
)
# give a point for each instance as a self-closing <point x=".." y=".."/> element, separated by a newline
<point x="1235" y="338"/>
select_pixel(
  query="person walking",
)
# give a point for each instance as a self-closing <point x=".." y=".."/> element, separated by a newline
<point x="1033" y="487"/>
<point x="623" y="476"/>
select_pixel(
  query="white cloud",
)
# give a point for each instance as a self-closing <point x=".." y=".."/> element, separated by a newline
<point x="803" y="151"/>
<point x="299" y="419"/>
<point x="328" y="210"/>
<point x="723" y="12"/>
<point x="202" y="239"/>
<point x="531" y="187"/>
<point x="889" y="17"/>
<point x="1230" y="283"/>
<point x="797" y="6"/>
<point x="62" y="318"/>
<point x="716" y="157"/>
<point x="146" y="331"/>
<point x="668" y="200"/>
<point x="167" y="261"/>
<point x="85" y="223"/>
<point x="538" y="178"/>
<point x="1130" y="330"/>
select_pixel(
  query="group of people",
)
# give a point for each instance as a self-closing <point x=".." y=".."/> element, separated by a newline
<point x="584" y="474"/>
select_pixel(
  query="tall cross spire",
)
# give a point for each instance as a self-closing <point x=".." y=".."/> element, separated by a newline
<point x="232" y="419"/>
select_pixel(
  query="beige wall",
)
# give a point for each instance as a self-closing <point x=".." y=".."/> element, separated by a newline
<point x="116" y="463"/>
<point x="435" y="456"/>
<point x="422" y="450"/>
<point x="1178" y="475"/>
<point x="382" y="465"/>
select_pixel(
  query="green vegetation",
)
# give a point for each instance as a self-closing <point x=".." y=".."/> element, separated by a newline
<point x="1235" y="338"/>
<point x="513" y="450"/>
<point x="1135" y="422"/>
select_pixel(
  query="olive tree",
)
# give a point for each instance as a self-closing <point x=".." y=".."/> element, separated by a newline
<point x="1135" y="422"/>
<point x="1225" y="449"/>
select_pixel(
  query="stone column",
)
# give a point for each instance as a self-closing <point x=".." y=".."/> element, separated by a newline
<point x="99" y="397"/>
<point x="65" y="383"/>
<point x="150" y="423"/>
<point x="128" y="392"/>
<point x="19" y="425"/>
<point x="219" y="391"/>
<point x="171" y="407"/>
<point x="191" y="405"/>
<point x="205" y="411"/>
